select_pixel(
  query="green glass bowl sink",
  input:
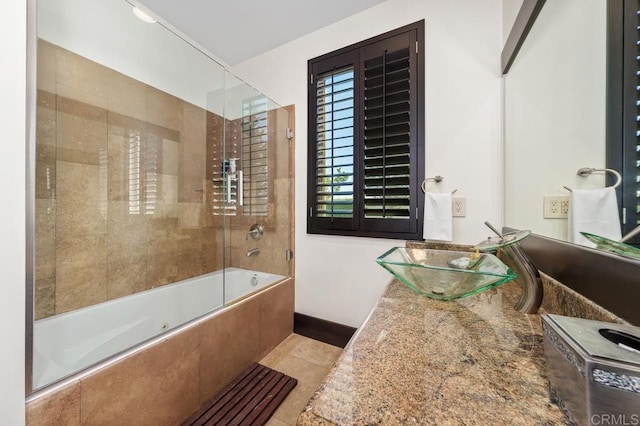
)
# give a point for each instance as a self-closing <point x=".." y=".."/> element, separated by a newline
<point x="443" y="274"/>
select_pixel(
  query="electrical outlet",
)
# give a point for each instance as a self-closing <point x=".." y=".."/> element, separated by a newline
<point x="556" y="207"/>
<point x="459" y="206"/>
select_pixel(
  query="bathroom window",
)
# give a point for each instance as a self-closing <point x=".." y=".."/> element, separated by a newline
<point x="366" y="137"/>
<point x="623" y="109"/>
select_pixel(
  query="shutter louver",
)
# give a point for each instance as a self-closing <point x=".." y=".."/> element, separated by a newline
<point x="387" y="143"/>
<point x="334" y="143"/>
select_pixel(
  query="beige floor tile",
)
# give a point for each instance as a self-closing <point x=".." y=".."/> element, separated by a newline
<point x="308" y="361"/>
<point x="282" y="350"/>
<point x="277" y="422"/>
<point x="319" y="353"/>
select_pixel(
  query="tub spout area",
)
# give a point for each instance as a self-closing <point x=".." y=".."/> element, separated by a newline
<point x="253" y="252"/>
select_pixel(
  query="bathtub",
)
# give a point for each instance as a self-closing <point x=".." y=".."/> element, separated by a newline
<point x="69" y="342"/>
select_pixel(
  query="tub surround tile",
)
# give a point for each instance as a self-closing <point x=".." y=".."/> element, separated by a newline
<point x="276" y="315"/>
<point x="229" y="343"/>
<point x="45" y="298"/>
<point x="419" y="360"/>
<point x="61" y="408"/>
<point x="81" y="200"/>
<point x="46" y="66"/>
<point x="45" y="171"/>
<point x="190" y="263"/>
<point x="75" y="71"/>
<point x="162" y="108"/>
<point x="45" y="241"/>
<point x="81" y="271"/>
<point x="126" y="96"/>
<point x="162" y="252"/>
<point x="158" y="386"/>
<point x="81" y="132"/>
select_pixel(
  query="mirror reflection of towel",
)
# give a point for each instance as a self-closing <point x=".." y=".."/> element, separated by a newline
<point x="438" y="217"/>
<point x="594" y="211"/>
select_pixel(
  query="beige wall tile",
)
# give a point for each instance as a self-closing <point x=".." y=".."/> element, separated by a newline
<point x="276" y="315"/>
<point x="169" y="157"/>
<point x="45" y="298"/>
<point x="162" y="108"/>
<point x="80" y="73"/>
<point x="211" y="249"/>
<point x="81" y="131"/>
<point x="45" y="171"/>
<point x="189" y="253"/>
<point x="192" y="153"/>
<point x="162" y="252"/>
<point x="46" y="66"/>
<point x="81" y="271"/>
<point x="158" y="386"/>
<point x="228" y="345"/>
<point x="61" y="408"/>
<point x="126" y="158"/>
<point x="46" y="118"/>
<point x="127" y="250"/>
<point x="45" y="239"/>
<point x="190" y="215"/>
<point x="126" y="96"/>
<point x="81" y="200"/>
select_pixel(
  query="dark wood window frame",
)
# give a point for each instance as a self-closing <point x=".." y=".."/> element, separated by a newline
<point x="622" y="95"/>
<point x="359" y="224"/>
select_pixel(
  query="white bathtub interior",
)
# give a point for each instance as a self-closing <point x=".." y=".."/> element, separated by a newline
<point x="69" y="342"/>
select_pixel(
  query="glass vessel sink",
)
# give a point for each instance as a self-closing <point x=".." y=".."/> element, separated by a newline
<point x="445" y="275"/>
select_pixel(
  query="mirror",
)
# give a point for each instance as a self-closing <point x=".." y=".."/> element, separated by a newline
<point x="555" y="112"/>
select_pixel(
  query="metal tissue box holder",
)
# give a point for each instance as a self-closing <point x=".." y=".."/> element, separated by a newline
<point x="593" y="369"/>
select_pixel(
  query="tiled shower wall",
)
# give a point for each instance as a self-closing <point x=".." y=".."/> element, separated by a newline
<point x="124" y="193"/>
<point x="121" y="185"/>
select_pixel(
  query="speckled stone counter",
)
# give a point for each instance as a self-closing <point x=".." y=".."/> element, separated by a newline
<point x="422" y="361"/>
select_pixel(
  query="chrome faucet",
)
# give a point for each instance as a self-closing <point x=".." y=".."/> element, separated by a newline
<point x="516" y="258"/>
<point x="253" y="252"/>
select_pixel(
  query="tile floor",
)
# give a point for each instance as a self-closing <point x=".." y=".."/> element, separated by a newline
<point x="308" y="361"/>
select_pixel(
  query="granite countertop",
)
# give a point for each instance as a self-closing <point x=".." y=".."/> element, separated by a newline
<point x="422" y="361"/>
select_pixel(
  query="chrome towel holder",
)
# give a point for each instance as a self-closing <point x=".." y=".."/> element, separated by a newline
<point x="586" y="171"/>
<point x="436" y="179"/>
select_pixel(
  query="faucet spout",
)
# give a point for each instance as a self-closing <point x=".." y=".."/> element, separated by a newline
<point x="253" y="252"/>
<point x="532" y="290"/>
<point x="516" y="258"/>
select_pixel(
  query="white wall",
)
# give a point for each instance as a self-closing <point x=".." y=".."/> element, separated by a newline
<point x="12" y="214"/>
<point x="555" y="111"/>
<point x="336" y="277"/>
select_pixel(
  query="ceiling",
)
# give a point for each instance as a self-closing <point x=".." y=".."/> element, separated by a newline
<point x="236" y="30"/>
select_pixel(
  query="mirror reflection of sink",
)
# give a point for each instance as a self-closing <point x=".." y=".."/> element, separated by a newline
<point x="443" y="274"/>
<point x="611" y="246"/>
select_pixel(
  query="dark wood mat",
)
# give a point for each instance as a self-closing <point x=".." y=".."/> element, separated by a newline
<point x="250" y="399"/>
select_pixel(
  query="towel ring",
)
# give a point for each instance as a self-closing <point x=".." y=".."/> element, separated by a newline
<point x="436" y="179"/>
<point x="586" y="171"/>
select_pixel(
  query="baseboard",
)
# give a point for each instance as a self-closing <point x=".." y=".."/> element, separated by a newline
<point x="325" y="331"/>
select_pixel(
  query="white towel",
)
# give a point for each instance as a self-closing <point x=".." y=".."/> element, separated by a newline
<point x="438" y="217"/>
<point x="594" y="211"/>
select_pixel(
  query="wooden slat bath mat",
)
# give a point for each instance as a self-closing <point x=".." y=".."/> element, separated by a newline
<point x="250" y="399"/>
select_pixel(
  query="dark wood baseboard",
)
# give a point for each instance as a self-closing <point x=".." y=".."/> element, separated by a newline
<point x="325" y="331"/>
